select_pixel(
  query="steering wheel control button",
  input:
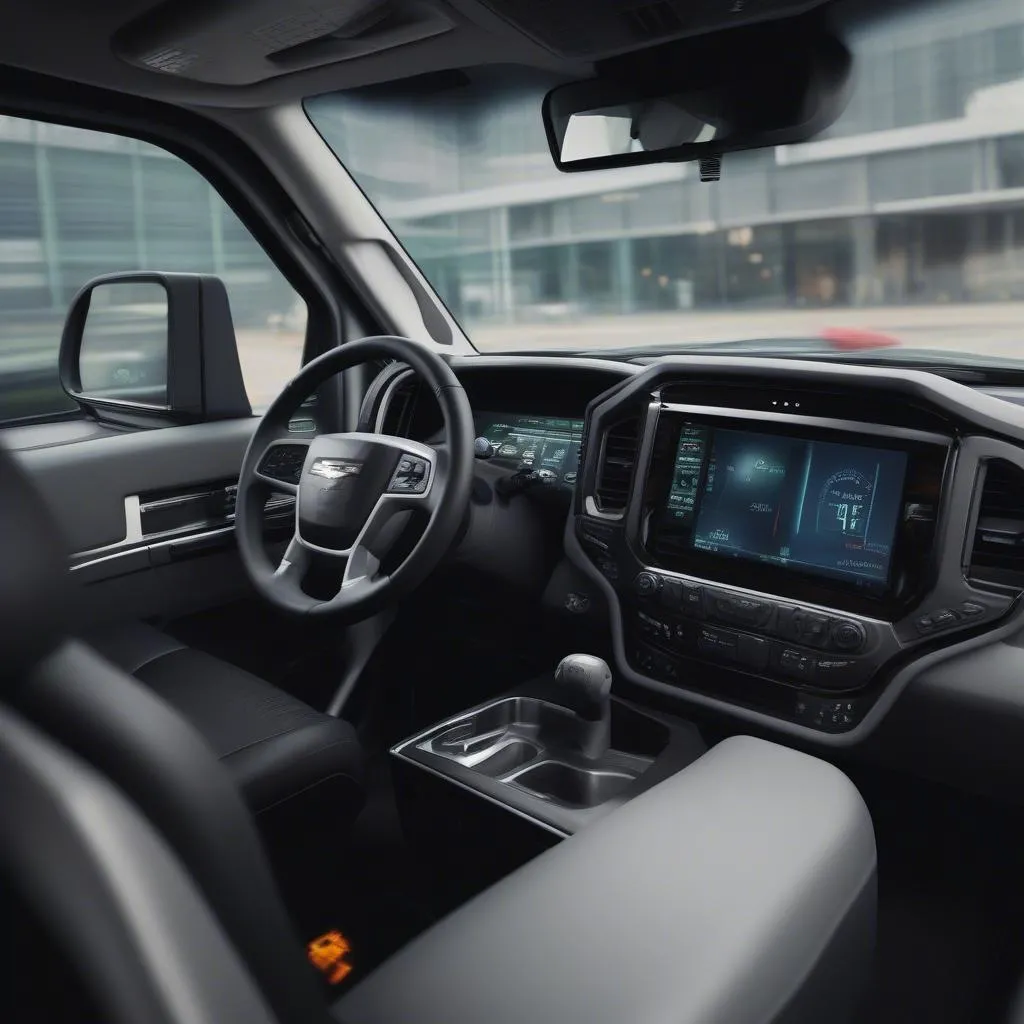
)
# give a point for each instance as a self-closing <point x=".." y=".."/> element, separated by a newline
<point x="848" y="635"/>
<point x="283" y="462"/>
<point x="971" y="609"/>
<point x="410" y="477"/>
<point x="647" y="584"/>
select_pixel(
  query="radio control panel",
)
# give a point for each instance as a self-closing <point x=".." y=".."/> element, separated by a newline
<point x="810" y="663"/>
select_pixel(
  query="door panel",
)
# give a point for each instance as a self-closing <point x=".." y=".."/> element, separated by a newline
<point x="87" y="484"/>
<point x="179" y="559"/>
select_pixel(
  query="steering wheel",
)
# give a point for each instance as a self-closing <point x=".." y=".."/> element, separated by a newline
<point x="355" y="492"/>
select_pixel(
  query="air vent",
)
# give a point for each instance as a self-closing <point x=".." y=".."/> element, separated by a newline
<point x="998" y="554"/>
<point x="615" y="473"/>
<point x="655" y="21"/>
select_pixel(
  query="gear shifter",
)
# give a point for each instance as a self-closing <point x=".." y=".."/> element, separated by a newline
<point x="585" y="684"/>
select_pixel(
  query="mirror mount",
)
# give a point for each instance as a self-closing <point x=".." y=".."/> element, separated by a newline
<point x="200" y="377"/>
<point x="698" y="98"/>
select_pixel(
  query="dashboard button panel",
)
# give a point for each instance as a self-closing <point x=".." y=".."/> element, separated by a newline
<point x="679" y="628"/>
<point x="753" y="633"/>
<point x="797" y="664"/>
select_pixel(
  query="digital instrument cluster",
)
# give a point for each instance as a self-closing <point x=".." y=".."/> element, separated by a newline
<point x="548" y="446"/>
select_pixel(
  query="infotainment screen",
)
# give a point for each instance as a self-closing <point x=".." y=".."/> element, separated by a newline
<point x="818" y="506"/>
<point x="549" y="445"/>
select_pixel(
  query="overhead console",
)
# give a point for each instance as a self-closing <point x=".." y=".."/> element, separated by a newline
<point x="787" y="546"/>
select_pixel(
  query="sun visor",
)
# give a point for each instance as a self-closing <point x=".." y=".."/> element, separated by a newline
<point x="241" y="42"/>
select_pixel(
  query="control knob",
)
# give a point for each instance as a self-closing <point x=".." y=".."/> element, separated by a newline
<point x="647" y="584"/>
<point x="848" y="635"/>
<point x="482" y="448"/>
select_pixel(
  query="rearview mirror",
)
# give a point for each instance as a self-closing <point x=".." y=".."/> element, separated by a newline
<point x="764" y="85"/>
<point x="139" y="347"/>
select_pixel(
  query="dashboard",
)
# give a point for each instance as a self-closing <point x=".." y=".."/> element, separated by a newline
<point x="790" y="543"/>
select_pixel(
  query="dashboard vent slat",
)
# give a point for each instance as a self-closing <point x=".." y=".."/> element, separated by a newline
<point x="615" y="473"/>
<point x="998" y="552"/>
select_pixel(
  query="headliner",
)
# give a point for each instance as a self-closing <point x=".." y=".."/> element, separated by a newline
<point x="73" y="40"/>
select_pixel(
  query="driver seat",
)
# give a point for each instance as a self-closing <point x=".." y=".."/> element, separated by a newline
<point x="124" y="698"/>
<point x="143" y="746"/>
<point x="277" y="749"/>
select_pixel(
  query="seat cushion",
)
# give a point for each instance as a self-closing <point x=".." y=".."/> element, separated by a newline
<point x="275" y="746"/>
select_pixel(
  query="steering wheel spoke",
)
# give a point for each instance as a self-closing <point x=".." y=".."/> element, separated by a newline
<point x="280" y="465"/>
<point x="386" y="524"/>
<point x="295" y="562"/>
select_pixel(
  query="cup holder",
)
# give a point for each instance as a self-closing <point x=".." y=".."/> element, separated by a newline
<point x="526" y="744"/>
<point x="570" y="786"/>
<point x="508" y="758"/>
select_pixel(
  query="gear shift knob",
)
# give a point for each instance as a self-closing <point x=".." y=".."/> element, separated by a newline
<point x="586" y="681"/>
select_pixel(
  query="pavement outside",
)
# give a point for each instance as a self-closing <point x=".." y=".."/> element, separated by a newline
<point x="270" y="357"/>
<point x="995" y="329"/>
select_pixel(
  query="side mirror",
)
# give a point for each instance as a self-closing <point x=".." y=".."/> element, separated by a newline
<point x="144" y="347"/>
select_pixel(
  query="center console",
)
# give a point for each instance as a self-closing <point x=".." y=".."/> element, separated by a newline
<point x="772" y="551"/>
<point x="560" y="752"/>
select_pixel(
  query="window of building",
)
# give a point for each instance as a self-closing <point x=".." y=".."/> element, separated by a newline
<point x="1010" y="154"/>
<point x="77" y="203"/>
<point x="529" y="223"/>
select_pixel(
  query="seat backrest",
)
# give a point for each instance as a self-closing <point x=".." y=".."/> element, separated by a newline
<point x="141" y="744"/>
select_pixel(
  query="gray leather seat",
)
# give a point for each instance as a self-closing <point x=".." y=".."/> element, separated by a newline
<point x="152" y="755"/>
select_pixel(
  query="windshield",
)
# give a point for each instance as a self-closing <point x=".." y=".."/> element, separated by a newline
<point x="900" y="229"/>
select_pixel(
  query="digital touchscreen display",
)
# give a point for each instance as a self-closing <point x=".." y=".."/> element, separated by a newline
<point x="548" y="445"/>
<point x="818" y="506"/>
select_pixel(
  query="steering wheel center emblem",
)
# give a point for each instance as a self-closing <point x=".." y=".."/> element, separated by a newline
<point x="335" y="469"/>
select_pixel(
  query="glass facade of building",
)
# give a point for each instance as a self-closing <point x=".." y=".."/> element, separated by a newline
<point x="75" y="204"/>
<point x="913" y="197"/>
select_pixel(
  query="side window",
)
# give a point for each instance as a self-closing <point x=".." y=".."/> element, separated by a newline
<point x="77" y="203"/>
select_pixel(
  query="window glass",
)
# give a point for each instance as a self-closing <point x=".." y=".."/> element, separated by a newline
<point x="911" y="199"/>
<point x="75" y="204"/>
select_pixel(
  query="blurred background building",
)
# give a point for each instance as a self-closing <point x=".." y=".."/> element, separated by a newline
<point x="911" y="203"/>
<point x="912" y="197"/>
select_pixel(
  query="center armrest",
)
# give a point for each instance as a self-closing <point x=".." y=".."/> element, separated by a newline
<point x="740" y="890"/>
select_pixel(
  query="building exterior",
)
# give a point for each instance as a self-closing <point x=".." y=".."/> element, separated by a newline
<point x="914" y="196"/>
<point x="75" y="204"/>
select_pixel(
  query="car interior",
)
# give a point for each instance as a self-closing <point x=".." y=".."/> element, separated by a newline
<point x="512" y="512"/>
